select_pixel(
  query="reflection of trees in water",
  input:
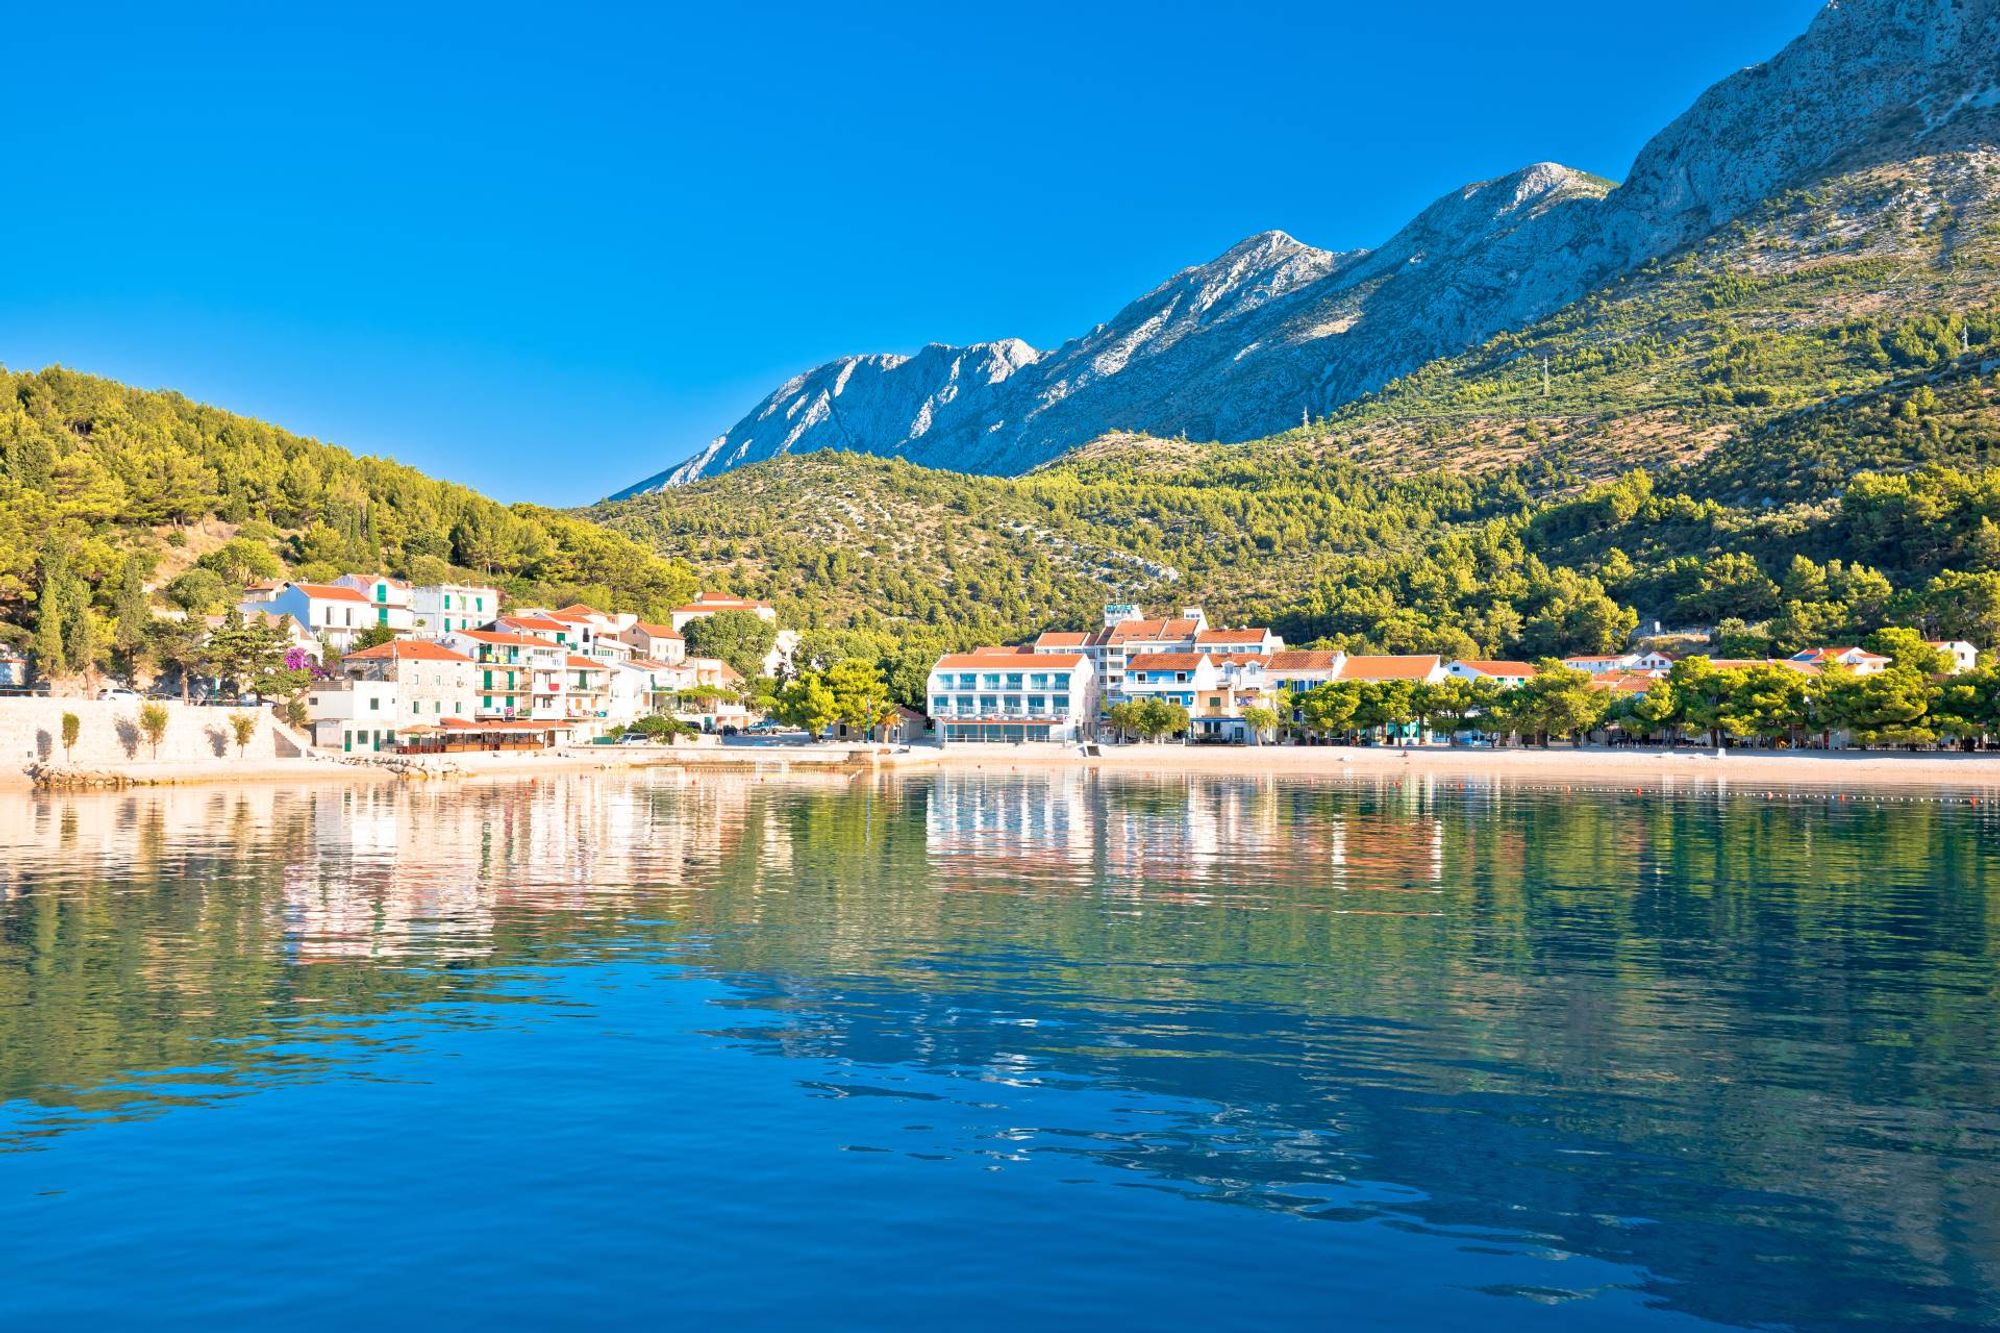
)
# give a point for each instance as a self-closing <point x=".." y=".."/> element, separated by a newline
<point x="1643" y="1026"/>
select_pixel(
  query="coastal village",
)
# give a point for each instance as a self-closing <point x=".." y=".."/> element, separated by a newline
<point x="395" y="669"/>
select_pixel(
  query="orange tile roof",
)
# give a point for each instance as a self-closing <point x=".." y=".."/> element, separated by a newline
<point x="531" y="622"/>
<point x="1232" y="636"/>
<point x="328" y="592"/>
<point x="585" y="662"/>
<point x="722" y="601"/>
<point x="1166" y="662"/>
<point x="1235" y="659"/>
<point x="1301" y="659"/>
<point x="579" y="609"/>
<point x="1493" y="667"/>
<point x="413" y="649"/>
<point x="1063" y="639"/>
<point x="653" y="631"/>
<point x="515" y="724"/>
<point x="494" y="636"/>
<point x="1387" y="668"/>
<point x="1005" y="657"/>
<point x="1150" y="631"/>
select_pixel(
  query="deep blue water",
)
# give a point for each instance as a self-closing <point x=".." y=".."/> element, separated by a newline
<point x="981" y="1051"/>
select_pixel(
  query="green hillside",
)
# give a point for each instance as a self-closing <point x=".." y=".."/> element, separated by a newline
<point x="1792" y="425"/>
<point x="116" y="489"/>
<point x="1814" y="388"/>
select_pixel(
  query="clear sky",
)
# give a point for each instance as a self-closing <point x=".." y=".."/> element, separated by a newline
<point x="547" y="250"/>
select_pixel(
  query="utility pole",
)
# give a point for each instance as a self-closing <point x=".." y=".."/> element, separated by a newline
<point x="1545" y="377"/>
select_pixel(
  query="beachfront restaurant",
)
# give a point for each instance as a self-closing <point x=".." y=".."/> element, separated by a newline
<point x="455" y="735"/>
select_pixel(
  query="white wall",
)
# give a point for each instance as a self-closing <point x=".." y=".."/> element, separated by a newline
<point x="31" y="729"/>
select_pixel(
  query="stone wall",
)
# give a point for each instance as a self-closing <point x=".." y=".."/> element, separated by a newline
<point x="31" y="730"/>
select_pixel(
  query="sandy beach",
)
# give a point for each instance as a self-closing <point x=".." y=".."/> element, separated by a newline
<point x="1555" y="766"/>
<point x="1559" y="765"/>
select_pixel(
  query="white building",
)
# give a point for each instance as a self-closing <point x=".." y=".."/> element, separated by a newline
<point x="517" y="675"/>
<point x="661" y="643"/>
<point x="776" y="662"/>
<point x="354" y="716"/>
<point x="390" y="598"/>
<point x="1301" y="669"/>
<point x="440" y="608"/>
<point x="1602" y="663"/>
<point x="323" y="610"/>
<point x="1505" y="674"/>
<point x="1013" y="695"/>
<point x="433" y="682"/>
<point x="1858" y="660"/>
<point x="1964" y="657"/>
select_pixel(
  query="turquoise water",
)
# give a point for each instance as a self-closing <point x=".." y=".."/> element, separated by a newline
<point x="982" y="1051"/>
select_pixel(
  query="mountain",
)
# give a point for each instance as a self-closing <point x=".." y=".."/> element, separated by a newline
<point x="1272" y="330"/>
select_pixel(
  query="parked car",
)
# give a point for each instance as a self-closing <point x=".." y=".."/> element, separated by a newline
<point x="118" y="694"/>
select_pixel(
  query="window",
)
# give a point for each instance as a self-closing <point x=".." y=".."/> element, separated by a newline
<point x="1062" y="703"/>
<point x="1039" y="681"/>
<point x="940" y="703"/>
<point x="965" y="703"/>
<point x="417" y="708"/>
<point x="989" y="703"/>
<point x="373" y="703"/>
<point x="1038" y="703"/>
<point x="991" y="681"/>
<point x="1013" y="680"/>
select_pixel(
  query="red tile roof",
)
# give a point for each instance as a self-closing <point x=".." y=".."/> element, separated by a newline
<point x="579" y="609"/>
<point x="1301" y="659"/>
<point x="590" y="663"/>
<point x="653" y="631"/>
<point x="1063" y="639"/>
<point x="1166" y="662"/>
<point x="416" y="650"/>
<point x="1492" y="667"/>
<point x="494" y="636"/>
<point x="532" y="622"/>
<point x="1153" y="631"/>
<point x="722" y="601"/>
<point x="328" y="592"/>
<point x="1232" y="636"/>
<point x="1006" y="657"/>
<point x="1387" y="668"/>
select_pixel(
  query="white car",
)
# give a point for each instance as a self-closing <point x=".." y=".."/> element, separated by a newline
<point x="118" y="694"/>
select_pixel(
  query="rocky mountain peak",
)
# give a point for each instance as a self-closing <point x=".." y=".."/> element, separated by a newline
<point x="1241" y="345"/>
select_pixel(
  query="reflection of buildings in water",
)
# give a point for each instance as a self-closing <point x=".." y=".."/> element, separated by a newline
<point x="1186" y="840"/>
<point x="382" y="871"/>
<point x="980" y="828"/>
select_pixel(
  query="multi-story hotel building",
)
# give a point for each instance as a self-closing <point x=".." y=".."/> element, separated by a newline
<point x="1013" y="695"/>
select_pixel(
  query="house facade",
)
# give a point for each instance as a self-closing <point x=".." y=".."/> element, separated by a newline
<point x="776" y="662"/>
<point x="1013" y="695"/>
<point x="438" y="609"/>
<point x="354" y="716"/>
<point x="1505" y="674"/>
<point x="324" y="610"/>
<point x="433" y="682"/>
<point x="390" y="598"/>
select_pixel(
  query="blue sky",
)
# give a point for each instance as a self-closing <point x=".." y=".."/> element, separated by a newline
<point x="547" y="250"/>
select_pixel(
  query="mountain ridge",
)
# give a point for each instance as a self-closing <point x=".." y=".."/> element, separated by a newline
<point x="1302" y="331"/>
